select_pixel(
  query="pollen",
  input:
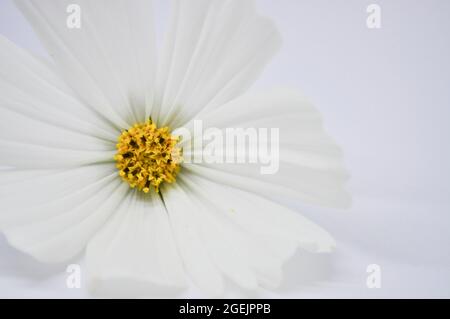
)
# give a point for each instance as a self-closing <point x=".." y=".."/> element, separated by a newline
<point x="148" y="156"/>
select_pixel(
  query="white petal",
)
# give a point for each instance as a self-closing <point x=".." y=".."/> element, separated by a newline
<point x="223" y="245"/>
<point x="28" y="156"/>
<point x="135" y="253"/>
<point x="31" y="88"/>
<point x="261" y="216"/>
<point x="9" y="176"/>
<point x="214" y="50"/>
<point x="56" y="221"/>
<point x="191" y="245"/>
<point x="310" y="163"/>
<point x="42" y="126"/>
<point x="45" y="188"/>
<point x="242" y="236"/>
<point x="28" y="130"/>
<point x="109" y="61"/>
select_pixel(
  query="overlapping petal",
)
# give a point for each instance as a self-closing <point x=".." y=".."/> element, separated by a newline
<point x="110" y="61"/>
<point x="223" y="232"/>
<point x="214" y="50"/>
<point x="58" y="129"/>
<point x="310" y="162"/>
<point x="135" y="253"/>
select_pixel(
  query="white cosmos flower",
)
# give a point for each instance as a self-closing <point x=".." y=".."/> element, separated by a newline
<point x="60" y="121"/>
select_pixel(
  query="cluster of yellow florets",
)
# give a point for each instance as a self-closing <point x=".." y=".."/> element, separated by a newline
<point x="148" y="156"/>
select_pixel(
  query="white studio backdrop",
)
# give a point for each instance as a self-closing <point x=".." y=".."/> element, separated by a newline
<point x="385" y="97"/>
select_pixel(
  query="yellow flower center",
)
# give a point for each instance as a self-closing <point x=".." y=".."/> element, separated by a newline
<point x="147" y="156"/>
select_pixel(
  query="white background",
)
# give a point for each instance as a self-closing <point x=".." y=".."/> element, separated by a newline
<point x="386" y="100"/>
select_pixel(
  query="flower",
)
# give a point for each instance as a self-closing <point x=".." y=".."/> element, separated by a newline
<point x="88" y="140"/>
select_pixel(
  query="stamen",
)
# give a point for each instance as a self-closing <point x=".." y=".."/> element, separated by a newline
<point x="147" y="156"/>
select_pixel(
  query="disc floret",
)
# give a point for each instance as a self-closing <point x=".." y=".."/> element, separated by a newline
<point x="148" y="156"/>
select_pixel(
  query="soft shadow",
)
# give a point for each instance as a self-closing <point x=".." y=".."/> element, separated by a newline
<point x="14" y="263"/>
<point x="306" y="270"/>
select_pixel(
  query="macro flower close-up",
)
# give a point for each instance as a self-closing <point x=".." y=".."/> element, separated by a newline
<point x="127" y="151"/>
